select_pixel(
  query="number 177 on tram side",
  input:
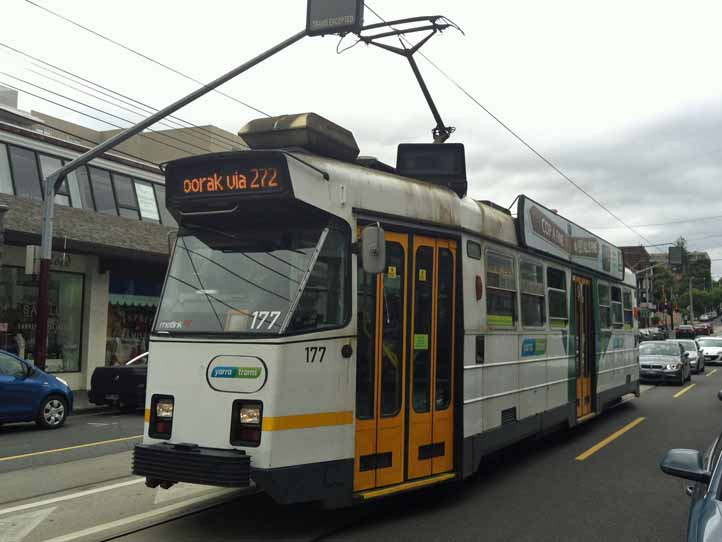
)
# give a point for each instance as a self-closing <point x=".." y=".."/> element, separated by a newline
<point x="335" y="329"/>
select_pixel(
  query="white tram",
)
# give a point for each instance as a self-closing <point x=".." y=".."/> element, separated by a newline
<point x="333" y="329"/>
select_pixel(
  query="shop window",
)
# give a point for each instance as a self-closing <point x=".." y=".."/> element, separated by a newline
<point x="617" y="313"/>
<point x="48" y="166"/>
<point x="103" y="191"/>
<point x="18" y="299"/>
<point x="25" y="173"/>
<point x="500" y="291"/>
<point x="533" y="304"/>
<point x="165" y="217"/>
<point x="125" y="196"/>
<point x="628" y="309"/>
<point x="6" y="181"/>
<point x="557" y="292"/>
<point x="81" y="195"/>
<point x="146" y="201"/>
<point x="605" y="315"/>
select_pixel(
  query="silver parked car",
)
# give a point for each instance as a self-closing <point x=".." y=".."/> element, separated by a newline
<point x="696" y="359"/>
<point x="711" y="348"/>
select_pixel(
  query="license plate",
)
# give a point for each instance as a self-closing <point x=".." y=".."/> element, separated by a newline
<point x="112" y="397"/>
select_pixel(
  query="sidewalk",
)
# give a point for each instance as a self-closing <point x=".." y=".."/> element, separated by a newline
<point x="81" y="404"/>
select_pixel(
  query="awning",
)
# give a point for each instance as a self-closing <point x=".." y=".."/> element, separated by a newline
<point x="133" y="300"/>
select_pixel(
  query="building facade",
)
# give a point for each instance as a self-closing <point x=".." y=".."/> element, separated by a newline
<point x="111" y="240"/>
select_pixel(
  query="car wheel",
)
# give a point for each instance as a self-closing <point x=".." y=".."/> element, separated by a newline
<point x="53" y="412"/>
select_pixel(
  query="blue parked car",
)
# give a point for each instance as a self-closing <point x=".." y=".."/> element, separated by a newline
<point x="705" y="512"/>
<point x="28" y="394"/>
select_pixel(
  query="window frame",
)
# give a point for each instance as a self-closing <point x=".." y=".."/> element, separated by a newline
<point x="565" y="294"/>
<point x="528" y="261"/>
<point x="13" y="173"/>
<point x="515" y="304"/>
<point x="616" y="304"/>
<point x="118" y="206"/>
<point x="601" y="284"/>
<point x="469" y="243"/>
<point x="626" y="310"/>
<point x="112" y="190"/>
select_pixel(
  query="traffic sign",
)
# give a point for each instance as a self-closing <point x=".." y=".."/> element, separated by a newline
<point x="334" y="17"/>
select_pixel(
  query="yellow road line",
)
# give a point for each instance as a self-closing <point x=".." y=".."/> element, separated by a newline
<point x="611" y="438"/>
<point x="713" y="371"/>
<point x="56" y="450"/>
<point x="680" y="393"/>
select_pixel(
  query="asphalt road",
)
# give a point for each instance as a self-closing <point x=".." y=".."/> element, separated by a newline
<point x="538" y="490"/>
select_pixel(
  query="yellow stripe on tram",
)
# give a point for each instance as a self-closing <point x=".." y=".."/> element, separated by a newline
<point x="306" y="421"/>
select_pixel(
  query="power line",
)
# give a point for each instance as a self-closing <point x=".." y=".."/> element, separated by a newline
<point x="106" y="113"/>
<point x="660" y="223"/>
<point x="518" y="137"/>
<point x="111" y="94"/>
<point x="142" y="55"/>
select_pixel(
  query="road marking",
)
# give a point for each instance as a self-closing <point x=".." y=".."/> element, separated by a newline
<point x="713" y="371"/>
<point x="680" y="393"/>
<point x="69" y="497"/>
<point x="16" y="528"/>
<point x="219" y="499"/>
<point x="611" y="438"/>
<point x="56" y="450"/>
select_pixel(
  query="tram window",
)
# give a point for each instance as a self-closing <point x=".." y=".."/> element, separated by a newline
<point x="617" y="314"/>
<point x="323" y="302"/>
<point x="365" y="357"/>
<point x="500" y="291"/>
<point x="557" y="291"/>
<point x="422" y="337"/>
<point x="605" y="315"/>
<point x="473" y="250"/>
<point x="445" y="331"/>
<point x="392" y="348"/>
<point x="532" y="294"/>
<point x="25" y="173"/>
<point x="628" y="309"/>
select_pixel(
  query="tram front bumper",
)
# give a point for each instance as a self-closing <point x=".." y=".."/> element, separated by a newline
<point x="165" y="464"/>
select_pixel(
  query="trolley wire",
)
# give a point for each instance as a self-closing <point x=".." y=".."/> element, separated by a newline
<point x="519" y="138"/>
<point x="115" y="95"/>
<point x="142" y="55"/>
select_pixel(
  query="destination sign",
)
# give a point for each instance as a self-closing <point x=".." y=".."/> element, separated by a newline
<point x="544" y="230"/>
<point x="227" y="175"/>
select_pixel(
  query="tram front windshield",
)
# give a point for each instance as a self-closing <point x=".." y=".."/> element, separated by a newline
<point x="256" y="282"/>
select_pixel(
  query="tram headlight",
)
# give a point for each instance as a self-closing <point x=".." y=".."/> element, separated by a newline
<point x="161" y="416"/>
<point x="250" y="414"/>
<point x="164" y="409"/>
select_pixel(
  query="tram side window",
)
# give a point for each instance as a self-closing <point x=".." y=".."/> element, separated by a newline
<point x="628" y="309"/>
<point x="557" y="291"/>
<point x="617" y="314"/>
<point x="532" y="294"/>
<point x="500" y="291"/>
<point x="605" y="315"/>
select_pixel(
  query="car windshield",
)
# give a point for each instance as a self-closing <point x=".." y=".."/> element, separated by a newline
<point x="714" y="343"/>
<point x="256" y="282"/>
<point x="689" y="346"/>
<point x="659" y="349"/>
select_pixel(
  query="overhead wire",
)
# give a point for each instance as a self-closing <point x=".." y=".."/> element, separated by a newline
<point x="113" y="94"/>
<point x="508" y="128"/>
<point x="143" y="55"/>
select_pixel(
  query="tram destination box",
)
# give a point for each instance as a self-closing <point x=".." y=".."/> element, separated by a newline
<point x="221" y="180"/>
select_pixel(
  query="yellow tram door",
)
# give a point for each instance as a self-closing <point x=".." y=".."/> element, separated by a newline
<point x="380" y="370"/>
<point x="584" y="346"/>
<point x="431" y="409"/>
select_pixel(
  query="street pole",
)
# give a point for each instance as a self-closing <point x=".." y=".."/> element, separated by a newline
<point x="53" y="182"/>
<point x="691" y="306"/>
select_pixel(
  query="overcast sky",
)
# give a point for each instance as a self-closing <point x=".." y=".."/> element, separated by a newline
<point x="623" y="96"/>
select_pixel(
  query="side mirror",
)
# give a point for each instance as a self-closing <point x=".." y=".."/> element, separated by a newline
<point x="685" y="355"/>
<point x="373" y="249"/>
<point x="685" y="464"/>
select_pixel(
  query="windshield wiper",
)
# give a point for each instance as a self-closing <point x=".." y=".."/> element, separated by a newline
<point x="304" y="280"/>
<point x="200" y="283"/>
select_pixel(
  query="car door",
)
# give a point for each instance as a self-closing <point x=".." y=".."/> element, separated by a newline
<point x="18" y="391"/>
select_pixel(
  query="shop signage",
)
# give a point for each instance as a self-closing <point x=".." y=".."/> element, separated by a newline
<point x="544" y="230"/>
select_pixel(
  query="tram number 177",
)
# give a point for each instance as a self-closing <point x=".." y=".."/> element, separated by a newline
<point x="315" y="353"/>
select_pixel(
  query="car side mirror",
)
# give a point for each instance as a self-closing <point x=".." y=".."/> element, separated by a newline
<point x="685" y="355"/>
<point x="687" y="464"/>
<point x="373" y="249"/>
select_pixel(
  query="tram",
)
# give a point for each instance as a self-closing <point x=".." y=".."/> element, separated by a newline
<point x="335" y="329"/>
